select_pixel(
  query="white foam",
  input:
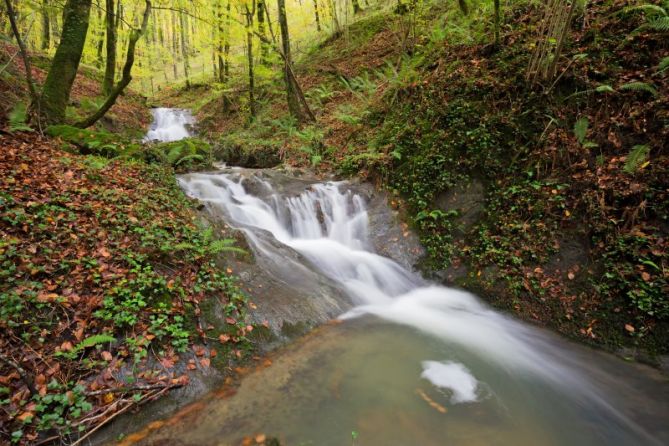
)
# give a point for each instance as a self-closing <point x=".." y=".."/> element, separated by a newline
<point x="454" y="377"/>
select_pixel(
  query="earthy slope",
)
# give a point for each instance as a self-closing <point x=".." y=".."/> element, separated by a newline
<point x="102" y="272"/>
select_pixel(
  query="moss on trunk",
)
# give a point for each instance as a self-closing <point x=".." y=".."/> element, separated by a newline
<point x="60" y="79"/>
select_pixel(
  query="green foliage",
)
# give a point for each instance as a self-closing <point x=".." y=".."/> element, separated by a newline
<point x="89" y="142"/>
<point x="637" y="156"/>
<point x="18" y="118"/>
<point x="581" y="129"/>
<point x="639" y="86"/>
<point x="90" y="341"/>
<point x="60" y="406"/>
<point x="663" y="65"/>
<point x="186" y="153"/>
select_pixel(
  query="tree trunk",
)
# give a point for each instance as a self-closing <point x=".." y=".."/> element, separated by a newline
<point x="59" y="81"/>
<point x="318" y="17"/>
<point x="100" y="35"/>
<point x="110" y="67"/>
<point x="264" y="51"/>
<point x="356" y="6"/>
<point x="126" y="78"/>
<point x="221" y="42"/>
<point x="496" y="3"/>
<point x="24" y="52"/>
<point x="291" y="90"/>
<point x="184" y="46"/>
<point x="249" y="47"/>
<point x="46" y="26"/>
<point x="226" y="52"/>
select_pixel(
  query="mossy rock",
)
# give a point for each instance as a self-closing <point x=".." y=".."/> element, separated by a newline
<point x="260" y="156"/>
<point x="89" y="142"/>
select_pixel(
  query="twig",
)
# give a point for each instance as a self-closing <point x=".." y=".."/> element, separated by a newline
<point x="9" y="62"/>
<point x="133" y="389"/>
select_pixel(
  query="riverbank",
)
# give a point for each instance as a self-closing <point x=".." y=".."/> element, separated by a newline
<point x="105" y="271"/>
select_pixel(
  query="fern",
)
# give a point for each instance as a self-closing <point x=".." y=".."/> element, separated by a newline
<point x="94" y="340"/>
<point x="224" y="245"/>
<point x="189" y="158"/>
<point x="648" y="9"/>
<point x="636" y="158"/>
<point x="18" y="118"/>
<point x="663" y="65"/>
<point x="640" y="86"/>
<point x="604" y="89"/>
<point x="581" y="129"/>
<point x="660" y="24"/>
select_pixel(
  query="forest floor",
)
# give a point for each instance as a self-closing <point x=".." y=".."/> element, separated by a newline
<point x="98" y="315"/>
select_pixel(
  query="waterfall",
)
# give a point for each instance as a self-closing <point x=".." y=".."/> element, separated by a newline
<point x="169" y="124"/>
<point x="328" y="225"/>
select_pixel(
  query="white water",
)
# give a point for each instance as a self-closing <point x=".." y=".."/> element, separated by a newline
<point x="328" y="225"/>
<point x="453" y="376"/>
<point x="170" y="124"/>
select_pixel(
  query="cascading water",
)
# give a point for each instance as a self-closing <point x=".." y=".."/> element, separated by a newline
<point x="504" y="382"/>
<point x="170" y="124"/>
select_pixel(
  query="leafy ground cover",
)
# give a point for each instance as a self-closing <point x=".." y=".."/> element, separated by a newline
<point x="103" y="269"/>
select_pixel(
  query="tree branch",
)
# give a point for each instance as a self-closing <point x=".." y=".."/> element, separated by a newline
<point x="126" y="78"/>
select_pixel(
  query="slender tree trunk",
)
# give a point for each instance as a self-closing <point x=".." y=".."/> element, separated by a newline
<point x="175" y="44"/>
<point x="291" y="90"/>
<point x="184" y="46"/>
<point x="100" y="35"/>
<point x="264" y="51"/>
<point x="126" y="77"/>
<point x="59" y="81"/>
<point x="110" y="66"/>
<point x="221" y="42"/>
<point x="318" y="17"/>
<point x="497" y="20"/>
<point x="23" y="50"/>
<point x="226" y="52"/>
<point x="249" y="47"/>
<point x="46" y="26"/>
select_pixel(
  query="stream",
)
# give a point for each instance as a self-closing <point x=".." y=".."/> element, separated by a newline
<point x="409" y="362"/>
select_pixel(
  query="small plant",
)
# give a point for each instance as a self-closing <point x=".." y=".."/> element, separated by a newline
<point x="18" y="119"/>
<point x="637" y="158"/>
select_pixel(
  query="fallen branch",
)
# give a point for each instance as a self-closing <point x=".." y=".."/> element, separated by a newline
<point x="134" y="389"/>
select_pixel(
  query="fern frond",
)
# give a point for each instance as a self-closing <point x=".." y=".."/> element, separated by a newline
<point x="663" y="65"/>
<point x="660" y="24"/>
<point x="648" y="9"/>
<point x="92" y="341"/>
<point x="581" y="129"/>
<point x="639" y="86"/>
<point x="185" y="159"/>
<point x="636" y="158"/>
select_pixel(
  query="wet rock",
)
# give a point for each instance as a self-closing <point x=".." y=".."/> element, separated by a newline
<point x="467" y="200"/>
<point x="249" y="157"/>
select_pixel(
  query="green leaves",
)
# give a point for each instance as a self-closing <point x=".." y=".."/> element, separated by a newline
<point x="18" y="118"/>
<point x="636" y="158"/>
<point x="639" y="86"/>
<point x="581" y="129"/>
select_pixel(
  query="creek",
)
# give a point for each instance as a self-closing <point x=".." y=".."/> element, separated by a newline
<point x="409" y="362"/>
